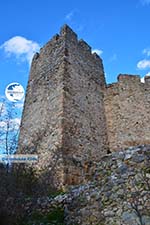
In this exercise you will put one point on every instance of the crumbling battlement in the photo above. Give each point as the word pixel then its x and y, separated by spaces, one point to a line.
pixel 130 78
pixel 59 41
pixel 127 111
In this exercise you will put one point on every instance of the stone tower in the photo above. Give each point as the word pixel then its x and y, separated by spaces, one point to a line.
pixel 63 119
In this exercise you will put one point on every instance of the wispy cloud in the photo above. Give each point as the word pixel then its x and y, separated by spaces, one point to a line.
pixel 143 64
pixel 20 47
pixel 97 51
pixel 113 57
pixel 69 16
pixel 146 51
pixel 74 19
pixel 145 2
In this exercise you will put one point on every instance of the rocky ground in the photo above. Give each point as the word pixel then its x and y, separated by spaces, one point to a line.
pixel 117 194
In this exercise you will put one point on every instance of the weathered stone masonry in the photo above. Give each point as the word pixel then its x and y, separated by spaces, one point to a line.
pixel 117 194
pixel 72 118
pixel 64 119
pixel 127 108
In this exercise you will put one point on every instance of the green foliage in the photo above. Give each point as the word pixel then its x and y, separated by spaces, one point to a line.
pixel 54 193
pixel 55 217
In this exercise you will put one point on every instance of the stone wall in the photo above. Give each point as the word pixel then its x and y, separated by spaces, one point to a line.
pixel 127 107
pixel 118 193
pixel 41 126
pixel 84 125
pixel 64 110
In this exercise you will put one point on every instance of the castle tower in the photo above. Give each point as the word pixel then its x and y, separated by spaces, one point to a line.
pixel 63 119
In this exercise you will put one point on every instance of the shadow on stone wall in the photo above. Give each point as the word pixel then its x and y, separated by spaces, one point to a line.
pixel 18 186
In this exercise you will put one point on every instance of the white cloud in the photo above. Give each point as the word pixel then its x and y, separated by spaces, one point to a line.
pixel 146 51
pixel 69 15
pixel 97 51
pixel 145 2
pixel 148 74
pixel 143 78
pixel 143 64
pixel 20 47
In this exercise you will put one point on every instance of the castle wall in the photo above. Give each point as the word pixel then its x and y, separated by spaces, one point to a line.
pixel 41 126
pixel 127 112
pixel 64 110
pixel 70 114
pixel 84 125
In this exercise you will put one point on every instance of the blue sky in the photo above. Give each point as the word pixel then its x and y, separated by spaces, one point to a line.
pixel 118 30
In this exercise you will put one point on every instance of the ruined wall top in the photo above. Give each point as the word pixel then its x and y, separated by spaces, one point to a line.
pixel 128 80
pixel 127 108
pixel 66 36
